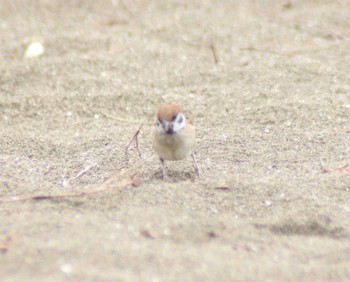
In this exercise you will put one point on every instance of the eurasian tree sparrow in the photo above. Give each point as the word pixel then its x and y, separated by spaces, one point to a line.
pixel 174 136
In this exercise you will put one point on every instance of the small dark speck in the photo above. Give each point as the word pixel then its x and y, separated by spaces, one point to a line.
pixel 147 234
pixel 211 234
pixel 222 188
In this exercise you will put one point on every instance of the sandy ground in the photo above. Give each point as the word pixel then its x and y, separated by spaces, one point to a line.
pixel 268 85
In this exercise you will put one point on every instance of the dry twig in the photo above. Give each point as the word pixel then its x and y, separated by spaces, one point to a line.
pixel 107 185
pixel 213 52
pixel 66 182
pixel 287 53
pixel 135 139
pixel 342 169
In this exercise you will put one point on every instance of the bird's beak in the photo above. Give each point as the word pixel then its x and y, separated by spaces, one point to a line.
pixel 168 127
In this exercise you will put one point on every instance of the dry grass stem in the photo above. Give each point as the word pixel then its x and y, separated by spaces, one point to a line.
pixel 213 52
pixel 134 180
pixel 135 140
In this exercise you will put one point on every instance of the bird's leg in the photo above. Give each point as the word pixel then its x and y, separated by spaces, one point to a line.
pixel 196 167
pixel 163 168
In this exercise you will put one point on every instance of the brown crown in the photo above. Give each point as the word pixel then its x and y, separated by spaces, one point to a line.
pixel 167 112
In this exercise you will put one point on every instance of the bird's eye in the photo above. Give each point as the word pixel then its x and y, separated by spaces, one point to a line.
pixel 174 117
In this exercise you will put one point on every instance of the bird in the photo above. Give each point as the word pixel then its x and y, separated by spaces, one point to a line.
pixel 173 136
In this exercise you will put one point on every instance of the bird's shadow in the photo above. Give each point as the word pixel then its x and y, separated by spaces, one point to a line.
pixel 174 176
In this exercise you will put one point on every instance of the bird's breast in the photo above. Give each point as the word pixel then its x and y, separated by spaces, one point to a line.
pixel 174 146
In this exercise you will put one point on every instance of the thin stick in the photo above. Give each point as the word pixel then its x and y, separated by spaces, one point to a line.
pixel 343 169
pixel 213 52
pixel 80 174
pixel 286 53
pixel 135 139
pixel 252 48
pixel 196 167
pixel 134 180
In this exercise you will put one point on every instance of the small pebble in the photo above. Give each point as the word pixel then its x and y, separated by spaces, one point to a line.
pixel 267 203
pixel 34 49
pixel 66 268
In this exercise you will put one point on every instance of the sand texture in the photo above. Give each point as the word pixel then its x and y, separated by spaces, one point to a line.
pixel 267 84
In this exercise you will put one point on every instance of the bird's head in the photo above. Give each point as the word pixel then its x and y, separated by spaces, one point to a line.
pixel 170 119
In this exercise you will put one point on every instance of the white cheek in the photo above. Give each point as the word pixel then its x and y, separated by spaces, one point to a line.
pixel 178 126
pixel 159 128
